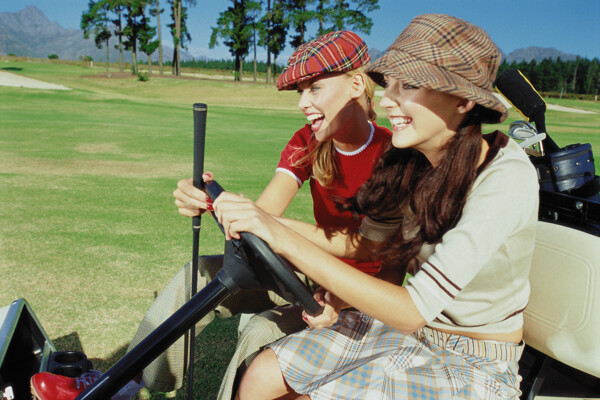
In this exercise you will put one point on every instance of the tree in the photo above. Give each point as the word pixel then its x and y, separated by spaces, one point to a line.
pixel 321 15
pixel 254 8
pixel 156 13
pixel 147 44
pixel 118 7
pixel 179 31
pixel 266 24
pixel 134 10
pixel 279 26
pixel 96 20
pixel 345 14
pixel 176 32
pixel 273 31
pixel 593 78
pixel 235 28
pixel 299 16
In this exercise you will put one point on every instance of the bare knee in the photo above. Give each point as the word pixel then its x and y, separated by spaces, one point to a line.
pixel 263 379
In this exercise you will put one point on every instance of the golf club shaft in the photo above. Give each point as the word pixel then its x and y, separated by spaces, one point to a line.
pixel 199 141
pixel 157 342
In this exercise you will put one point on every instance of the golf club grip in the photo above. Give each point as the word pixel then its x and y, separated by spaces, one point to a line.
pixel 520 92
pixel 199 140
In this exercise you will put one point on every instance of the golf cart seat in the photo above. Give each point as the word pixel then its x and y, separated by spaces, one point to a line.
pixel 562 320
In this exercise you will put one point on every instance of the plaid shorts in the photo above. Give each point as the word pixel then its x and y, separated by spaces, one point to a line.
pixel 361 358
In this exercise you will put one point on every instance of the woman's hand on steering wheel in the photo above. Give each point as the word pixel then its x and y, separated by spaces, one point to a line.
pixel 332 306
pixel 190 200
pixel 239 214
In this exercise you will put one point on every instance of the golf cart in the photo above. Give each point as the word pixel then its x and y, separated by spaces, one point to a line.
pixel 562 320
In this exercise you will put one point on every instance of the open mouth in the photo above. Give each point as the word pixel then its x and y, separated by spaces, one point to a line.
pixel 315 121
pixel 400 122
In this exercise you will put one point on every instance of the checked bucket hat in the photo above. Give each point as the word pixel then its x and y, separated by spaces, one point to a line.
pixel 447 54
pixel 338 51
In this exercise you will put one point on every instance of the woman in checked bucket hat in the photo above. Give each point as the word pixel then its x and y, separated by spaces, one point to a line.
pixel 463 205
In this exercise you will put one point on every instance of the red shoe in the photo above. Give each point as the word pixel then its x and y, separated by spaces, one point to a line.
pixel 47 386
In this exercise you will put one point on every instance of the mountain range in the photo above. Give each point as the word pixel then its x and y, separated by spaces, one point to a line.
pixel 30 33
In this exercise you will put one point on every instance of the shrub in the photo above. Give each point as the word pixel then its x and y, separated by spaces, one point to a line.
pixel 53 56
pixel 143 77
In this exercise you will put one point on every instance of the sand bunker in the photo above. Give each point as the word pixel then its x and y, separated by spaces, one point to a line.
pixel 14 80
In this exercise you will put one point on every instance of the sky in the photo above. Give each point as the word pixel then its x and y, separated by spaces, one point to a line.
pixel 571 26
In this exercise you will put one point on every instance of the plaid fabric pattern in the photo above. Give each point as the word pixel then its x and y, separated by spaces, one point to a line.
pixel 447 54
pixel 261 330
pixel 361 358
pixel 337 51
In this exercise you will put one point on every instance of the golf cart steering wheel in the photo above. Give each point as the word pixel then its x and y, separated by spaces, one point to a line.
pixel 251 264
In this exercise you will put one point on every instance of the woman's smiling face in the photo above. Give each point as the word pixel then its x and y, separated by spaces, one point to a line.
pixel 325 102
pixel 421 119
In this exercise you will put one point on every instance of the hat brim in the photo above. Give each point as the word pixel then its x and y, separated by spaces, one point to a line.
pixel 409 69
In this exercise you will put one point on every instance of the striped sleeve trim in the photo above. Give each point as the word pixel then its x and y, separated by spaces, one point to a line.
pixel 440 279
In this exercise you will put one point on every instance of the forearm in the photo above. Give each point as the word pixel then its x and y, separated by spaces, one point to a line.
pixel 382 300
pixel 278 194
pixel 340 243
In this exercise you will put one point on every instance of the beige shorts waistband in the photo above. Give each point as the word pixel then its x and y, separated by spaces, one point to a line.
pixel 495 350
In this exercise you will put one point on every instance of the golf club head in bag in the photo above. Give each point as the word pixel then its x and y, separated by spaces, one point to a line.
pixel 528 136
pixel 521 94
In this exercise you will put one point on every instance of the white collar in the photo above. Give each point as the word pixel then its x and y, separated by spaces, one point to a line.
pixel 361 148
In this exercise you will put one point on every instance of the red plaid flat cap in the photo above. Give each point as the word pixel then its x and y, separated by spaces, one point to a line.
pixel 447 54
pixel 338 51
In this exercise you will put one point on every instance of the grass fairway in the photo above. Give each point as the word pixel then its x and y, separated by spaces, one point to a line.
pixel 89 232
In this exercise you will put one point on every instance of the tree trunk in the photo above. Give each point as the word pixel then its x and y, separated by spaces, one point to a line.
pixel 237 72
pixel 120 54
pixel 177 14
pixel 160 54
pixel 120 43
pixel 268 66
pixel 134 66
pixel 149 64
pixel 107 58
pixel 254 55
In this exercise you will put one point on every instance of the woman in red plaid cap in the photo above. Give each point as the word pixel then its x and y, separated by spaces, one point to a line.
pixel 462 204
pixel 335 152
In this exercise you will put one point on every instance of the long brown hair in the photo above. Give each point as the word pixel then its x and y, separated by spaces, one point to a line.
pixel 322 154
pixel 435 195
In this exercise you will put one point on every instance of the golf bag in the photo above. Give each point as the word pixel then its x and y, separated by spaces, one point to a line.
pixel 569 187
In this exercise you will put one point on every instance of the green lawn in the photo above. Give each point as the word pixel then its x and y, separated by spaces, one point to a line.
pixel 89 231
